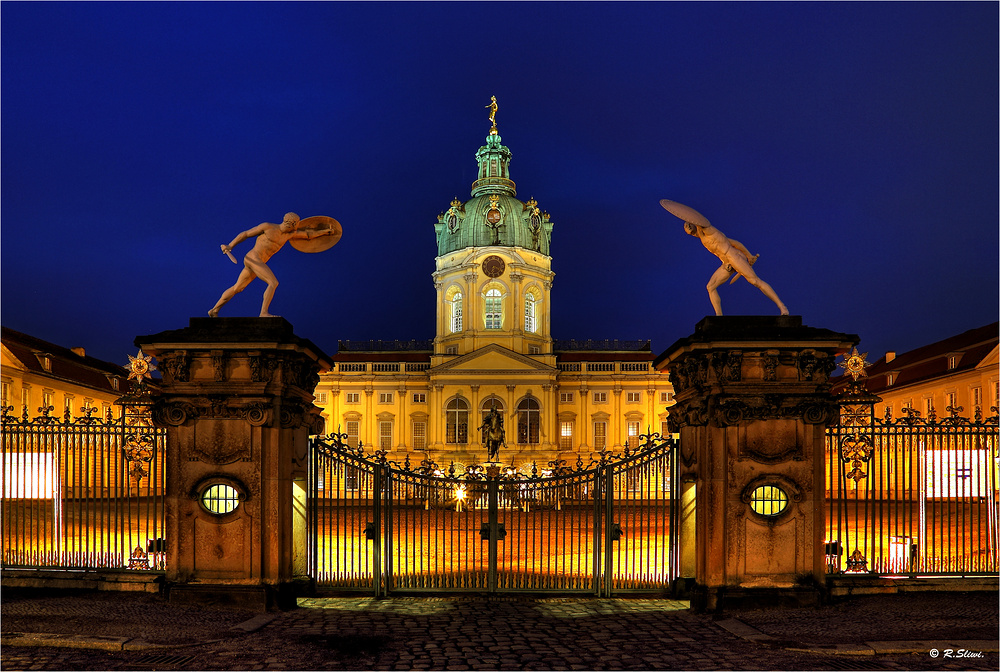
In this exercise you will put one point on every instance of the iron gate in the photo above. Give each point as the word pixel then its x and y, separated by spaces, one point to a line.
pixel 606 527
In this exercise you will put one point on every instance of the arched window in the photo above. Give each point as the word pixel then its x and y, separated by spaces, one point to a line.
pixel 530 325
pixel 494 309
pixel 456 313
pixel 457 421
pixel 527 421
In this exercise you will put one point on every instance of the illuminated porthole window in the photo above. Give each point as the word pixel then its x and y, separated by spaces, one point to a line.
pixel 768 500
pixel 220 499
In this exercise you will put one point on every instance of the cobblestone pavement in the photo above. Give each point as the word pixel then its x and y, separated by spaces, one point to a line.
pixel 479 633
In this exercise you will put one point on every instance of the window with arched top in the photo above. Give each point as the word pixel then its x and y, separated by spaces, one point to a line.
pixel 530 323
pixel 457 421
pixel 527 420
pixel 494 309
pixel 456 313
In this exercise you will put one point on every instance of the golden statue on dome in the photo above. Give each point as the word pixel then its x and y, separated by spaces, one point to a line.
pixel 492 107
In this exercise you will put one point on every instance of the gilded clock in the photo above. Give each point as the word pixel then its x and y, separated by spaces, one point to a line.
pixel 493 266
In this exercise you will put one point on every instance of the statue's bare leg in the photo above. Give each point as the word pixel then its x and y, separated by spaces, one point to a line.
pixel 718 279
pixel 748 273
pixel 265 274
pixel 246 277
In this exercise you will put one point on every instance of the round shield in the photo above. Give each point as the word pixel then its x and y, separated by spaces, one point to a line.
pixel 317 223
pixel 684 212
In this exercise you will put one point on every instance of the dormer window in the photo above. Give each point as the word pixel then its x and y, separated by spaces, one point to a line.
pixel 953 361
pixel 45 360
pixel 115 382
pixel 890 378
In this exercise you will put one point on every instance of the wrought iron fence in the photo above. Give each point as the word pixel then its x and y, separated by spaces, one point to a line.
pixel 911 495
pixel 606 527
pixel 83 492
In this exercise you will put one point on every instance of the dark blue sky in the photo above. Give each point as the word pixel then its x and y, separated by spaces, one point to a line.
pixel 853 145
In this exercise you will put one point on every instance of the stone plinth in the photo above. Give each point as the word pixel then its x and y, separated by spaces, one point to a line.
pixel 237 404
pixel 753 402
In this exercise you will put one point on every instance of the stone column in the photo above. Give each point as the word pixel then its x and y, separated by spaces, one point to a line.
pixel 237 404
pixel 753 402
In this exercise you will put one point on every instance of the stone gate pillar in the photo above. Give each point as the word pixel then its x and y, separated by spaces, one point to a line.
pixel 753 402
pixel 237 404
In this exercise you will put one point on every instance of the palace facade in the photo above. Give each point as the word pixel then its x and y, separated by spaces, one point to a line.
pixel 493 348
pixel 37 375
pixel 959 374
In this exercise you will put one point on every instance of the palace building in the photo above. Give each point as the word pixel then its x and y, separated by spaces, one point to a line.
pixel 493 348
pixel 39 377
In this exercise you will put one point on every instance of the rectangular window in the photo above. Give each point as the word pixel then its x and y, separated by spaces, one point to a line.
pixel 633 397
pixel 566 435
pixel 419 435
pixel 600 435
pixel 534 350
pixel 47 399
pixel 565 397
pixel 664 429
pixel 633 433
pixel 451 350
pixel 950 402
pixel 600 397
pixel 419 397
pixel 632 481
pixel 928 406
pixel 67 404
pixel 26 398
pixel 385 434
pixel 320 398
pixel 6 394
pixel 385 397
pixel 666 397
pixel 352 398
pixel 977 397
pixel 350 478
pixel 352 433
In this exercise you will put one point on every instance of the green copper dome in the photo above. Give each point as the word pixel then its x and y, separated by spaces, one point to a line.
pixel 493 216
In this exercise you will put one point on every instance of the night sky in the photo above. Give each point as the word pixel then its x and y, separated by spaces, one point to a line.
pixel 853 145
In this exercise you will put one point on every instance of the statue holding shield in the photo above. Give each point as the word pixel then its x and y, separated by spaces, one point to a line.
pixel 313 234
pixel 735 257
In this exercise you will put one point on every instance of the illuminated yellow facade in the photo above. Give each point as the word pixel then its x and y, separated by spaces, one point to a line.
pixel 961 372
pixel 36 374
pixel 493 348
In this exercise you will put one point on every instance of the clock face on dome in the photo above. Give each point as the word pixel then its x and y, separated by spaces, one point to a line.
pixel 493 266
pixel 493 216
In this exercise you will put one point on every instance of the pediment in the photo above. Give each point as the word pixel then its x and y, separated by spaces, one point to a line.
pixel 493 358
pixel 9 360
pixel 991 360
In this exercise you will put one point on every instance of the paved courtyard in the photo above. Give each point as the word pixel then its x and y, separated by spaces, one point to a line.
pixel 120 631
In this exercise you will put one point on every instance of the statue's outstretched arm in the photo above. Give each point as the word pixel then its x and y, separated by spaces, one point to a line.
pixel 250 233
